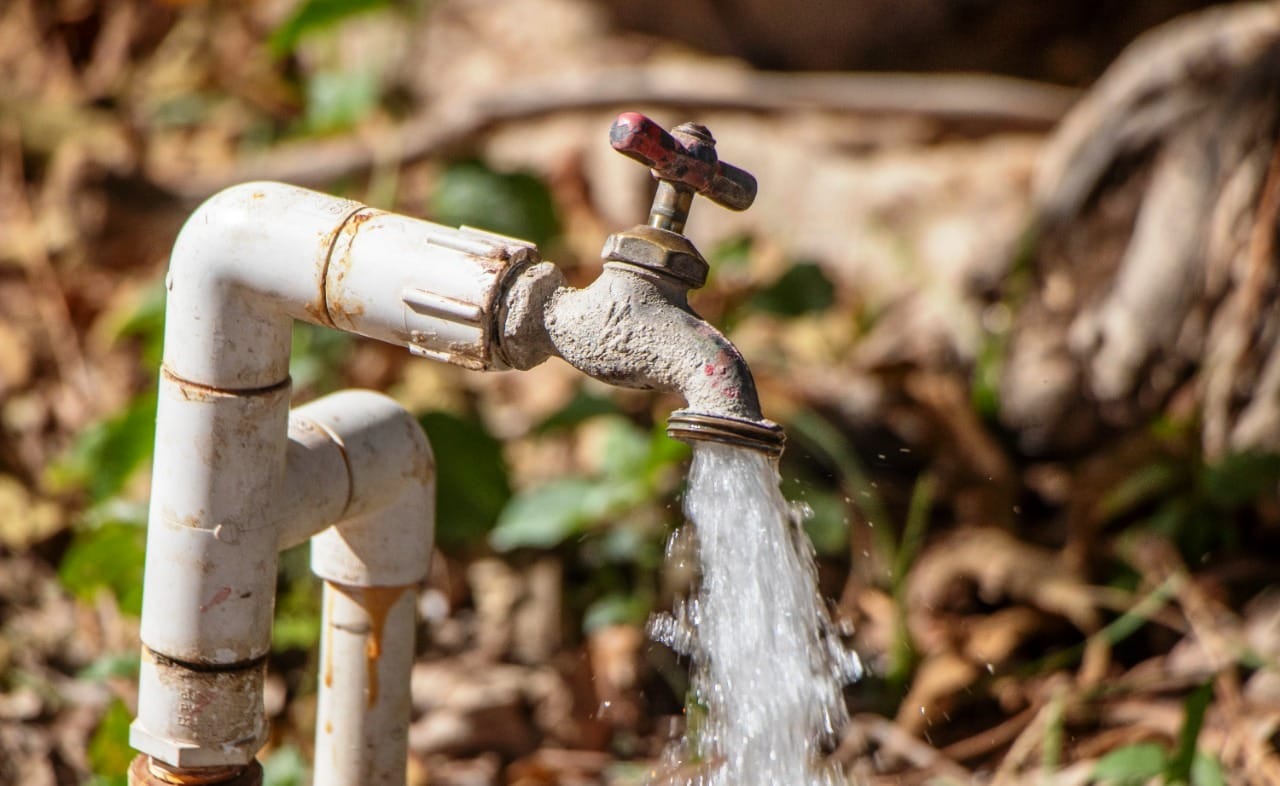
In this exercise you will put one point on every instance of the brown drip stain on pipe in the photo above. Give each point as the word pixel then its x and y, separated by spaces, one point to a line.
pixel 377 604
pixel 328 642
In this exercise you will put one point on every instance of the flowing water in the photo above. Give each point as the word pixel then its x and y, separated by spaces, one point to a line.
pixel 768 669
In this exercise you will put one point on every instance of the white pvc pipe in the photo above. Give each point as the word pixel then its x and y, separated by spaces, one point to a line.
pixel 366 657
pixel 247 263
pixel 372 561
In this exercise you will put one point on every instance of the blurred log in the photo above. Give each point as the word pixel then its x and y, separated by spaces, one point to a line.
pixel 1156 205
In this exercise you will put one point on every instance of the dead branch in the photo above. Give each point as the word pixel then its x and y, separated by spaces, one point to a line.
pixel 970 98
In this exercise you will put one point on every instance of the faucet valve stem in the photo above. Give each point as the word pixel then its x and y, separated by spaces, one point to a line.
pixel 684 162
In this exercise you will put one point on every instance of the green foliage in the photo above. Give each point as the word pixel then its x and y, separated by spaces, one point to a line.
pixel 285 767
pixel 339 99
pixel 111 664
pixel 733 254
pixel 107 557
pixel 902 655
pixel 615 609
pixel 316 356
pixel 826 515
pixel 109 753
pixel 546 516
pixel 517 204
pixel 471 478
pixel 1206 770
pixel 984 382
pixel 803 289
pixel 1239 479
pixel 146 324
pixel 1193 504
pixel 314 16
pixel 297 615
pixel 1136 765
pixel 105 455
pixel 824 439
pixel 632 472
pixel 1180 764
pixel 582 407
pixel 1132 765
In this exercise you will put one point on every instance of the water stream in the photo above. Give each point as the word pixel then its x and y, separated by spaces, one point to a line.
pixel 768 669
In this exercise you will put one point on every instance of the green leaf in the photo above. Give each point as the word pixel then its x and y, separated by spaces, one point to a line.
pixel 733 253
pixel 517 204
pixel 106 454
pixel 338 100
pixel 1206 770
pixel 803 289
pixel 297 614
pixel 313 16
pixel 582 407
pixel 984 382
pixel 1148 482
pixel 112 664
pixel 107 557
pixel 627 451
pixel 1132 765
pixel 1180 764
pixel 616 609
pixel 1240 478
pixel 146 323
pixel 108 752
pixel 548 515
pixel 471 477
pixel 664 452
pixel 285 767
pixel 315 356
pixel 826 519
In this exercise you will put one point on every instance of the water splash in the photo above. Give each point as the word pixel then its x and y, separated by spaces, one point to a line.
pixel 768 666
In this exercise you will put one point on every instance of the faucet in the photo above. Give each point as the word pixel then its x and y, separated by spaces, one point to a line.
pixel 238 476
pixel 633 326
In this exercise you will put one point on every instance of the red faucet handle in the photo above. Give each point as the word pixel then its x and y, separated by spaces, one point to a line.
pixel 690 160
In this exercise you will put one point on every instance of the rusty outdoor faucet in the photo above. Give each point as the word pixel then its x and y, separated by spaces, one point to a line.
pixel 633 326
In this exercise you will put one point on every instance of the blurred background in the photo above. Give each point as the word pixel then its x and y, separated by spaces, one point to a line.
pixel 1009 285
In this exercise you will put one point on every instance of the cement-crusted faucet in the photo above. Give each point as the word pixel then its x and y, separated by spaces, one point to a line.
pixel 238 476
pixel 633 326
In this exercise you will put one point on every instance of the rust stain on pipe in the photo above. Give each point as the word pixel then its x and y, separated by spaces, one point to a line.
pixel 377 604
pixel 343 234
pixel 328 643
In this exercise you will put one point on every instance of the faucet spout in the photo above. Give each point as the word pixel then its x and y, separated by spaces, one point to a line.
pixel 633 327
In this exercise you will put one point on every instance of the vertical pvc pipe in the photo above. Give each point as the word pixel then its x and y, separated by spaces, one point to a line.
pixel 371 561
pixel 366 656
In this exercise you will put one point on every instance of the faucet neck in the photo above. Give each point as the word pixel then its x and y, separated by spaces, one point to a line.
pixel 671 203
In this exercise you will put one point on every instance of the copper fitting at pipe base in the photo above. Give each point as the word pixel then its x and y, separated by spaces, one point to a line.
pixel 764 436
pixel 146 771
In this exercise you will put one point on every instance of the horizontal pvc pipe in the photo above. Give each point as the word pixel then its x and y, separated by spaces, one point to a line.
pixel 258 255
